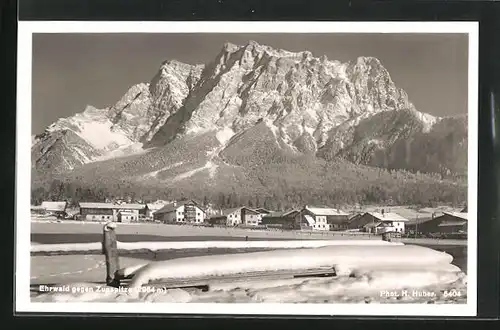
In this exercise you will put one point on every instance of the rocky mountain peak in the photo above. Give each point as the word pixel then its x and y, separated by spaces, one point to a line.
pixel 296 102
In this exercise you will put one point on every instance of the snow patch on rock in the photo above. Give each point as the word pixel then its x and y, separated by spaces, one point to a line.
pixel 224 135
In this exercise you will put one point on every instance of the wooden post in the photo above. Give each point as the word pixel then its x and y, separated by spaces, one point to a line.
pixel 110 250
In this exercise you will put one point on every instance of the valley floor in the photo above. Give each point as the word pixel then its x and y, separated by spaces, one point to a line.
pixel 155 229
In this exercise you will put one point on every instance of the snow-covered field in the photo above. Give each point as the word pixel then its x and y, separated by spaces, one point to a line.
pixel 71 227
pixel 365 274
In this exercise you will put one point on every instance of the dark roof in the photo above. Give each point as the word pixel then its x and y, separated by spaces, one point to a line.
pixel 355 216
pixel 274 215
pixel 287 213
pixel 418 221
pixel 227 212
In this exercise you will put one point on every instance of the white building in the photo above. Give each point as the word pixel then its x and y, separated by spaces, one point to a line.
pixel 127 216
pixel 57 208
pixel 380 222
pixel 110 212
pixel 181 212
pixel 321 218
pixel 237 216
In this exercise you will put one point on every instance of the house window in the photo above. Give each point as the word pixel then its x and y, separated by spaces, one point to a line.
pixel 230 215
pixel 102 217
pixel 199 214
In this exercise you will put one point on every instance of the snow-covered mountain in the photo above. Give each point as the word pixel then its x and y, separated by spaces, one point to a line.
pixel 251 105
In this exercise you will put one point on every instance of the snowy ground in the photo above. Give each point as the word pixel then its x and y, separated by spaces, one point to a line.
pixel 366 274
pixel 71 227
pixel 371 271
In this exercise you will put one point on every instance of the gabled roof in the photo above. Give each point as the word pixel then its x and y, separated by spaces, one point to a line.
pixel 372 224
pixel 54 206
pixel 262 210
pixel 169 208
pixel 86 205
pixel 273 215
pixel 154 206
pixel 310 220
pixel 378 224
pixel 287 213
pixel 387 216
pixel 279 214
pixel 227 212
pixel 131 206
pixel 460 215
pixel 354 216
pixel 418 221
pixel 325 211
pixel 174 206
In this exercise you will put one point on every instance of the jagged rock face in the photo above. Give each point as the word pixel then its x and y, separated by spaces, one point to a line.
pixel 61 151
pixel 295 91
pixel 144 109
pixel 262 104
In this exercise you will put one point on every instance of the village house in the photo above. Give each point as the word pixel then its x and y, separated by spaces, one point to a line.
pixel 181 212
pixel 449 222
pixel 151 208
pixel 110 212
pixel 379 222
pixel 321 218
pixel 415 225
pixel 237 216
pixel 56 208
pixel 283 220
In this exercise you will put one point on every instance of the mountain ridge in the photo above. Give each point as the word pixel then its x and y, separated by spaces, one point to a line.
pixel 301 104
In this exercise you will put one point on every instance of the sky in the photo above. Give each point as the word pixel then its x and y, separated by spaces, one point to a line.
pixel 71 71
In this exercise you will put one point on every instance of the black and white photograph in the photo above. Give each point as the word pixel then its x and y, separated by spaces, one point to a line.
pixel 273 168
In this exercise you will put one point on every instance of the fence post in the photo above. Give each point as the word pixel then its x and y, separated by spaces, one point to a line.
pixel 110 250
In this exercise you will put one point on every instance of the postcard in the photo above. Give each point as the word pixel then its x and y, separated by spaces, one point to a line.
pixel 252 168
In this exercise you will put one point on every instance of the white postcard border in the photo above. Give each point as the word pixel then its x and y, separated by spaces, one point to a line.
pixel 23 166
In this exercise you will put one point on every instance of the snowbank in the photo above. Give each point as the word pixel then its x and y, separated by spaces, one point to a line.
pixel 369 273
pixel 345 259
pixel 157 246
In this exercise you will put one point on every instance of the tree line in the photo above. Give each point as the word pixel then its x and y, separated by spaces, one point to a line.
pixel 278 197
